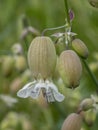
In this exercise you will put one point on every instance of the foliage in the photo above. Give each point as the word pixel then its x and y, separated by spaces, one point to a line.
pixel 28 114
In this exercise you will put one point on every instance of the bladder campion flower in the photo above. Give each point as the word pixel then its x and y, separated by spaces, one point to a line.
pixel 70 68
pixel 42 62
pixel 72 122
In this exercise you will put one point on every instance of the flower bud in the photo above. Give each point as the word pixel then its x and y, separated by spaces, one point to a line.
pixel 7 65
pixel 42 57
pixel 70 68
pixel 86 104
pixel 80 48
pixel 72 122
pixel 90 117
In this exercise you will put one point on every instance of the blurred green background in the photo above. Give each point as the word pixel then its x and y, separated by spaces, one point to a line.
pixel 28 114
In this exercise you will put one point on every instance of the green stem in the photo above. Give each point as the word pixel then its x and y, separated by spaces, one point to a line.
pixel 26 45
pixel 25 21
pixel 67 20
pixel 90 73
pixel 50 29
pixel 67 11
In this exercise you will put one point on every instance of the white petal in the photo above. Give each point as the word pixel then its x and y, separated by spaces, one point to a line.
pixel 57 35
pixel 34 93
pixel 52 86
pixel 24 92
pixel 71 33
pixel 40 85
pixel 58 96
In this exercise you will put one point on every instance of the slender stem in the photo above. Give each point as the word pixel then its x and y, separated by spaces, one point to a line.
pixel 25 25
pixel 25 21
pixel 67 20
pixel 90 73
pixel 67 11
pixel 50 29
pixel 26 45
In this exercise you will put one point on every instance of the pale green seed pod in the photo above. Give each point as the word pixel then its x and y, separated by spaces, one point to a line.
pixel 70 68
pixel 86 104
pixel 80 48
pixel 90 117
pixel 42 57
pixel 20 63
pixel 72 122
pixel 7 65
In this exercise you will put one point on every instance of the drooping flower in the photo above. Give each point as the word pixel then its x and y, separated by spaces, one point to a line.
pixel 72 122
pixel 42 62
pixel 70 68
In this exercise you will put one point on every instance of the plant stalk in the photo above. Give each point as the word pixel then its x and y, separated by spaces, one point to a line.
pixel 90 73
pixel 67 11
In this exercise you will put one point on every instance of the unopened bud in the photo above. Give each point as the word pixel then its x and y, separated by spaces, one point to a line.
pixel 72 122
pixel 70 68
pixel 86 104
pixel 90 117
pixel 80 48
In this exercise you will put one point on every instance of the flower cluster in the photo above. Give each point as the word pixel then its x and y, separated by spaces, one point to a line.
pixel 42 60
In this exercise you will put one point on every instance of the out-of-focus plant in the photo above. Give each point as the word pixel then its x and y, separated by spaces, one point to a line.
pixel 58 61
